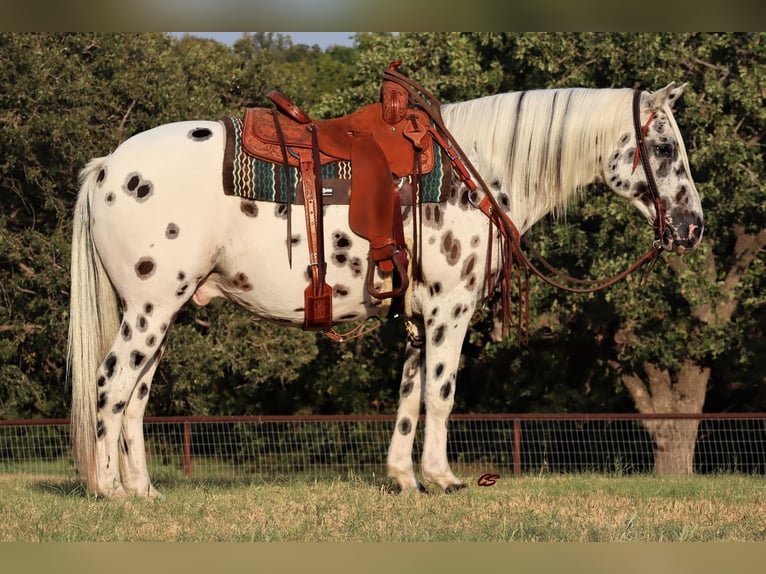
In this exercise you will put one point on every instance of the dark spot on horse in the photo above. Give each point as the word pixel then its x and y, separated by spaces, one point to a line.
pixel 136 359
pixel 137 187
pixel 681 196
pixel 438 336
pixel 435 288
pixel 200 134
pixel 181 276
pixel 470 282
pixel 406 389
pixel 280 211
pixel 348 316
pixel 624 139
pixel 439 370
pixel 468 266
pixel 356 266
pixel 339 259
pixel 101 176
pixel 445 390
pixel 100 429
pixel 151 340
pixel 340 291
pixel 109 365
pixel 125 448
pixel 148 308
pixel 143 390
pixel 504 201
pixel 341 240
pixel 109 198
pixel 126 332
pixel 241 282
pixel 101 381
pixel 141 323
pixel 458 310
pixel 182 290
pixel 295 239
pixel 249 208
pixel 145 267
pixel 118 407
pixel 102 400
pixel 163 327
pixel 171 231
pixel 405 426
pixel 495 184
pixel 475 241
pixel 450 246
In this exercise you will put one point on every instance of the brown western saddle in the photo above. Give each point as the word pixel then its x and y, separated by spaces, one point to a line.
pixel 383 141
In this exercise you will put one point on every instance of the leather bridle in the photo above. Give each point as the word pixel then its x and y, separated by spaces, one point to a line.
pixel 643 155
pixel 514 260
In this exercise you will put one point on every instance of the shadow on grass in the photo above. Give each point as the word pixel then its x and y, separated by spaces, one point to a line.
pixel 73 487
pixel 63 487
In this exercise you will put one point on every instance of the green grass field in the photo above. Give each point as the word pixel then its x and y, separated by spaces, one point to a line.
pixel 563 508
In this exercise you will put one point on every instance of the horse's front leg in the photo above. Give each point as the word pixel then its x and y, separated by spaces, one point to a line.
pixel 410 395
pixel 446 326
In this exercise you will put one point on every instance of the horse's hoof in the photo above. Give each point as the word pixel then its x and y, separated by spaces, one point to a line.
pixel 455 487
pixel 421 489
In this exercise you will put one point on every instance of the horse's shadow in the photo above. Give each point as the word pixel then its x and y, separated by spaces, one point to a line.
pixel 75 488
pixel 65 488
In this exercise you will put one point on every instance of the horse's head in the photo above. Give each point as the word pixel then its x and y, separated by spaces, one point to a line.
pixel 667 189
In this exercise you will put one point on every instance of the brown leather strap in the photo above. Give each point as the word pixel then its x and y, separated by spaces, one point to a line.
pixel 288 191
pixel 286 106
pixel 318 295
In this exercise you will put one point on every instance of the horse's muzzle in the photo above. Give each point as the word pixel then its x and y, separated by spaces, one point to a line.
pixel 683 231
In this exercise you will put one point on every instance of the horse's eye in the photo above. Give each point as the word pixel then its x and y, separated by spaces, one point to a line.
pixel 663 150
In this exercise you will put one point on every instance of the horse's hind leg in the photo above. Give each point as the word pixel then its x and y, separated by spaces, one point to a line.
pixel 133 470
pixel 123 384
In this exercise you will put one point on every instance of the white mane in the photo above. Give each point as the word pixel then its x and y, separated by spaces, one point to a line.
pixel 541 147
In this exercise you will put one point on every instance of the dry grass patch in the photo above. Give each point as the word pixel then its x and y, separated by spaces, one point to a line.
pixel 573 508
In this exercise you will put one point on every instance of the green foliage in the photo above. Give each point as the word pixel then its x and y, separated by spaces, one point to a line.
pixel 70 97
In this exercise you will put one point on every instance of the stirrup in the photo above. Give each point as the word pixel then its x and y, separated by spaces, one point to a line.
pixel 399 268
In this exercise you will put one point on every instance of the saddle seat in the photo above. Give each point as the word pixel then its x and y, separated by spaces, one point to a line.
pixel 383 141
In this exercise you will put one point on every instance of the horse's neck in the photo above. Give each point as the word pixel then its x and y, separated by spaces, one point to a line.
pixel 537 150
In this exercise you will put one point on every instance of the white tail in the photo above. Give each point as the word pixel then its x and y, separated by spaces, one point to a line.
pixel 93 324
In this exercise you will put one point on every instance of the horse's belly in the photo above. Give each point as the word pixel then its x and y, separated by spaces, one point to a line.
pixel 255 270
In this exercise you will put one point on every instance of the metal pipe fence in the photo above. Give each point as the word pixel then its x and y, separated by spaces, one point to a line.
pixel 276 447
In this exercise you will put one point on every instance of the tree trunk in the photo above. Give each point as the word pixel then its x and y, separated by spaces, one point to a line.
pixel 674 439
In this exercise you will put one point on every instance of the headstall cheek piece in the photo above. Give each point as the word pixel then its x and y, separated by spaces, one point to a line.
pixel 643 155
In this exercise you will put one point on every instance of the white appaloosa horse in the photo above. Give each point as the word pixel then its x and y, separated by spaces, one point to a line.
pixel 153 229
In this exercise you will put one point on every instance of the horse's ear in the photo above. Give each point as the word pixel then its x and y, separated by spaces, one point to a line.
pixel 667 95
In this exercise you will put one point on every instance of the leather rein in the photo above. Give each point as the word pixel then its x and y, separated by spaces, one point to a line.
pixel 514 259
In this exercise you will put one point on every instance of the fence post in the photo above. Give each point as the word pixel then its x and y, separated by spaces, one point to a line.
pixel 517 446
pixel 187 449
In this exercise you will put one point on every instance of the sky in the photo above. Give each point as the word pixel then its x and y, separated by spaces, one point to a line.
pixel 322 39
